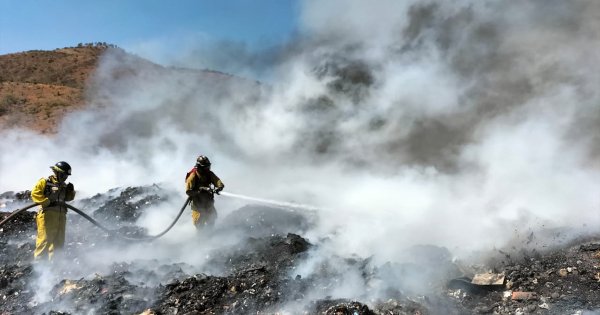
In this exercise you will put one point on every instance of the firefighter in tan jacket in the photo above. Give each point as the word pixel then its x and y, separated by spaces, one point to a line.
pixel 51 193
pixel 201 184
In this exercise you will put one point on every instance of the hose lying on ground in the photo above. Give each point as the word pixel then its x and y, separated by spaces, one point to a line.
pixel 113 232
pixel 14 213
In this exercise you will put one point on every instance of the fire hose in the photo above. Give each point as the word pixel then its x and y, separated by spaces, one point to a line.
pixel 187 201
pixel 94 222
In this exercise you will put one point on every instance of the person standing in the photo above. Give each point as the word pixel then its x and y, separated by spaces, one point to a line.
pixel 51 193
pixel 201 184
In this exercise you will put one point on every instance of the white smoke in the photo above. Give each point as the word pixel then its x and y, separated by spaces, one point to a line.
pixel 458 124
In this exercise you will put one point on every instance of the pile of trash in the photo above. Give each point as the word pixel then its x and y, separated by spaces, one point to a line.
pixel 124 205
pixel 266 271
pixel 561 281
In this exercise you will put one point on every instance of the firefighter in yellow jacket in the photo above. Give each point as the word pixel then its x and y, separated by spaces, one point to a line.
pixel 51 193
pixel 201 184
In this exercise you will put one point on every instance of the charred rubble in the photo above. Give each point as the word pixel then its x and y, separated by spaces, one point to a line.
pixel 262 273
pixel 126 205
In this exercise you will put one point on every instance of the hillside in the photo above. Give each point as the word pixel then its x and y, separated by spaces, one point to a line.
pixel 37 88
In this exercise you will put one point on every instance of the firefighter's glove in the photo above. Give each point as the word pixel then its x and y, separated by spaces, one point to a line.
pixel 192 193
pixel 217 191
pixel 70 187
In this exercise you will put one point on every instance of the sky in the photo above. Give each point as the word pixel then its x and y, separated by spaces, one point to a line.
pixel 141 26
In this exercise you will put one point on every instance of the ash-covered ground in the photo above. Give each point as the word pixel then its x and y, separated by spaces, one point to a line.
pixel 257 260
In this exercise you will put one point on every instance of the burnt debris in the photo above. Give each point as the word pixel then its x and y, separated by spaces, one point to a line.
pixel 127 205
pixel 272 269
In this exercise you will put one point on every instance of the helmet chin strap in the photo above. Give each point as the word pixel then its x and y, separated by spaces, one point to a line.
pixel 61 176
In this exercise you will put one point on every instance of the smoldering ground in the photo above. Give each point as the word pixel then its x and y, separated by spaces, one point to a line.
pixel 465 125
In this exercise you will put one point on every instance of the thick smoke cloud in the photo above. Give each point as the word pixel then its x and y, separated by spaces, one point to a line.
pixel 464 124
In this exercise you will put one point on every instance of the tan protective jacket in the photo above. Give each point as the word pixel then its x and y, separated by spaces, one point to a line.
pixel 197 179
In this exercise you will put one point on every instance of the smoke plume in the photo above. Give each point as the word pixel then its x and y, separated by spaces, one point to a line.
pixel 463 124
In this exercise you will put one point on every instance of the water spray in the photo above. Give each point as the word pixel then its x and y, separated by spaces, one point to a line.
pixel 280 204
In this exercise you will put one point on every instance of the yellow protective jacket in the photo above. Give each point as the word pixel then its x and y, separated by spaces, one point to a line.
pixel 50 219
pixel 49 189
